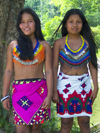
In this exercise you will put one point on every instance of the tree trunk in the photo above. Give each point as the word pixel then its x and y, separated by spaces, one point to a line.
pixel 8 15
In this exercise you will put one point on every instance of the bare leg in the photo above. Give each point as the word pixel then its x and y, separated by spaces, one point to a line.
pixel 66 125
pixel 23 128
pixel 84 123
pixel 36 128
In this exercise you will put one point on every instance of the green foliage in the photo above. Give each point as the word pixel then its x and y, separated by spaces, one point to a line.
pixel 3 42
pixel 51 13
pixel 53 124
pixel 96 109
pixel 50 27
pixel 96 33
pixel 98 54
pixel 75 128
pixel 44 8
pixel 4 121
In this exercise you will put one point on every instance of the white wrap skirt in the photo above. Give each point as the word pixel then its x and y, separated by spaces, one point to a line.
pixel 74 95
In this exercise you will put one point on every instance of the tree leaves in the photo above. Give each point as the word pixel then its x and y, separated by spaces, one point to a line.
pixel 53 11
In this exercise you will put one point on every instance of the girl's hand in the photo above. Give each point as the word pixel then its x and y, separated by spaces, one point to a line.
pixel 6 104
pixel 47 103
pixel 55 97
pixel 93 95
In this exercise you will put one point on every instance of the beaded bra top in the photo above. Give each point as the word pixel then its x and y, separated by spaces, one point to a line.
pixel 39 56
pixel 75 58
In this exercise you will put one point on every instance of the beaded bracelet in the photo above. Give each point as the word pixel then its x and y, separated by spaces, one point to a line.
pixel 5 97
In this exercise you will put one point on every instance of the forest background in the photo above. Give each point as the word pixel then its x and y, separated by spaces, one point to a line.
pixel 50 12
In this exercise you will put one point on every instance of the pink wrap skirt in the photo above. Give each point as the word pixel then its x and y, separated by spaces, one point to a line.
pixel 27 98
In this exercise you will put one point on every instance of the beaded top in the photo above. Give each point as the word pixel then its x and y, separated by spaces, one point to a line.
pixel 39 55
pixel 74 58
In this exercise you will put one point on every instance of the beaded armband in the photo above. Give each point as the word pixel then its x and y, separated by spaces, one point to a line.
pixel 4 98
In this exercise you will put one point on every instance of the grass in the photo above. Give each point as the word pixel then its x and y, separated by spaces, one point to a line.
pixel 96 106
pixel 96 110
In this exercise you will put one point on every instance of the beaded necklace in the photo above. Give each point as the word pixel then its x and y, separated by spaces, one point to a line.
pixel 39 56
pixel 75 58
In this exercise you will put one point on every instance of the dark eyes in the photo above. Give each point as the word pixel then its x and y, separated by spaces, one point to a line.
pixel 73 21
pixel 28 21
pixel 79 21
pixel 22 22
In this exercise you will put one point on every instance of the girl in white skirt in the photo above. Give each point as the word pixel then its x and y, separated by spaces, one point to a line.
pixel 72 88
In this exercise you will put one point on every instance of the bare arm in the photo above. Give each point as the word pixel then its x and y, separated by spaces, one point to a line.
pixel 48 74
pixel 55 70
pixel 7 76
pixel 94 76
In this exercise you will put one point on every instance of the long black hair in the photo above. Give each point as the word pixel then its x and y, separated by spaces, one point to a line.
pixel 85 32
pixel 24 42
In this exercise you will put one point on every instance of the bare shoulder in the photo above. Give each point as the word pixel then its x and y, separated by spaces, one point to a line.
pixel 86 42
pixel 45 44
pixel 48 50
pixel 12 44
pixel 59 43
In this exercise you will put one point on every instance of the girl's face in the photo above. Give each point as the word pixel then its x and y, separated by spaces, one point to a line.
pixel 27 24
pixel 74 24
